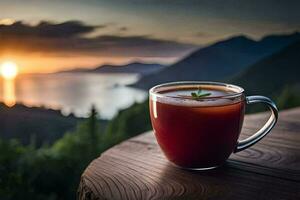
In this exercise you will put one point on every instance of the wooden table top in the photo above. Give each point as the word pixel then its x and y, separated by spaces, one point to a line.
pixel 137 169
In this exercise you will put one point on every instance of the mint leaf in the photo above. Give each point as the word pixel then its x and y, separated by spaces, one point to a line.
pixel 204 94
pixel 194 94
pixel 199 94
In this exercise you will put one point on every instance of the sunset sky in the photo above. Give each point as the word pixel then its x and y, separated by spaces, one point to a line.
pixel 46 36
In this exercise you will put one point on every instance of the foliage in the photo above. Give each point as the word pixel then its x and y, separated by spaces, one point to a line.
pixel 53 172
pixel 128 123
pixel 45 125
pixel 288 98
pixel 49 172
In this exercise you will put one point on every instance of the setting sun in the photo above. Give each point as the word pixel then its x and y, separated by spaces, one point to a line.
pixel 9 70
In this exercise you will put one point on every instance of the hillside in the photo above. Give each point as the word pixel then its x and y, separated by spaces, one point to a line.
pixel 135 67
pixel 41 124
pixel 219 61
pixel 273 74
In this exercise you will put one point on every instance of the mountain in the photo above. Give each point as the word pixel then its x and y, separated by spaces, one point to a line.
pixel 273 74
pixel 135 67
pixel 44 125
pixel 38 123
pixel 219 61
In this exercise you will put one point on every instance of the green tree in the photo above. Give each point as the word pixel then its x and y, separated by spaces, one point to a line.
pixel 128 123
pixel 49 172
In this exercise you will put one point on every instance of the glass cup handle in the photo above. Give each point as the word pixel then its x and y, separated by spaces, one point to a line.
pixel 244 144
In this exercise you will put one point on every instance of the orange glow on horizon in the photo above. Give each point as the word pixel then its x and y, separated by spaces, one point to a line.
pixel 45 63
pixel 6 21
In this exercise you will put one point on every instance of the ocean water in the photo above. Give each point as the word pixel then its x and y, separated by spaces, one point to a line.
pixel 73 92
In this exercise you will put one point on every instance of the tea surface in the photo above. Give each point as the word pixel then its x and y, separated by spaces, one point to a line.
pixel 188 92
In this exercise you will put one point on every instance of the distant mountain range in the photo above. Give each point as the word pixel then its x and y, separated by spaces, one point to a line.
pixel 220 61
pixel 273 74
pixel 135 67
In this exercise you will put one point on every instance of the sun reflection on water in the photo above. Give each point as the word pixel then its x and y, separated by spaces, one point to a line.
pixel 9 95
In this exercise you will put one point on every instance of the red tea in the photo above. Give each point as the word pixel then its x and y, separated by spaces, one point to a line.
pixel 197 133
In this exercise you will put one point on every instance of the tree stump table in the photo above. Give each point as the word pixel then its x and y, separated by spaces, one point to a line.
pixel 137 169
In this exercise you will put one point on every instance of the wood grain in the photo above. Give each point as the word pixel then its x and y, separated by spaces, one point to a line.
pixel 136 169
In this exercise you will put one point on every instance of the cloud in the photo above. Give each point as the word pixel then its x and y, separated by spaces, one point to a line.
pixel 123 29
pixel 202 34
pixel 67 38
pixel 47 29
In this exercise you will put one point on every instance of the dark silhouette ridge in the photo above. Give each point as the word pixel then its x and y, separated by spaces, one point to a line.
pixel 219 61
pixel 272 74
pixel 134 67
pixel 35 123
